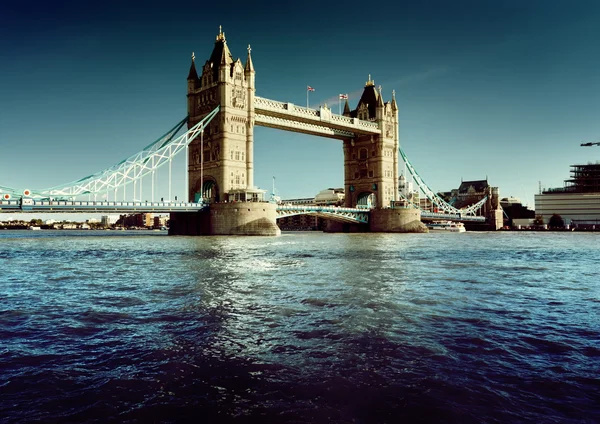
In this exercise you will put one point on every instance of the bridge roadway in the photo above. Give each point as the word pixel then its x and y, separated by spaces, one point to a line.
pixel 431 216
pixel 353 215
pixel 78 206
pixel 322 122
pixel 350 215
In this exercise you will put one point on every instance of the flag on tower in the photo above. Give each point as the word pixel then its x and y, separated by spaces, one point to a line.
pixel 309 88
pixel 343 97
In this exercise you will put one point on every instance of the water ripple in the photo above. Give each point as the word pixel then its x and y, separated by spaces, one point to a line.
pixel 306 327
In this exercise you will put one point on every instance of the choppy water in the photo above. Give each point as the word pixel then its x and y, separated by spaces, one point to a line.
pixel 303 328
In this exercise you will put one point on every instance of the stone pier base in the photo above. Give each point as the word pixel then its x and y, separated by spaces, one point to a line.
pixel 396 221
pixel 496 219
pixel 383 221
pixel 342 227
pixel 239 218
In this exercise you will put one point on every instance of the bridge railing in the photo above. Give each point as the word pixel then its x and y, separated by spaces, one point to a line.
pixel 292 109
pixel 25 205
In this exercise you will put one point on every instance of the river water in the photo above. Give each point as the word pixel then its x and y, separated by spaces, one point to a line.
pixel 302 328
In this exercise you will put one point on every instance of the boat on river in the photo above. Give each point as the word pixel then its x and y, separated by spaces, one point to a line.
pixel 447 226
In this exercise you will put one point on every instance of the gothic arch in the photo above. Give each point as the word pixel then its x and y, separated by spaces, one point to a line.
pixel 366 199
pixel 210 189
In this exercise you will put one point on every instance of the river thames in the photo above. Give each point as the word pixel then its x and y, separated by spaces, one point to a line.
pixel 139 327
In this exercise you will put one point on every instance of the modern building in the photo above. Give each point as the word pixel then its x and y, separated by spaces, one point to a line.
pixel 578 202
pixel 516 214
pixel 109 220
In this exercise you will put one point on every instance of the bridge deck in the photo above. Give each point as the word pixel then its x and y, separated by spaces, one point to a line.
pixel 430 216
pixel 68 206
pixel 322 121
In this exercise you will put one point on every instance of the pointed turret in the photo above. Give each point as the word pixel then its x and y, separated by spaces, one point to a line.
pixel 249 65
pixel 220 56
pixel 368 102
pixel 379 98
pixel 193 75
pixel 380 109
pixel 346 108
pixel 192 80
pixel 394 104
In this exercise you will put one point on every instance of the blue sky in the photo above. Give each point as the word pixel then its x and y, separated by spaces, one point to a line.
pixel 504 90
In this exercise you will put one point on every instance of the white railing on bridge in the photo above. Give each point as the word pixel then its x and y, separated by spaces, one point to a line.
pixel 451 217
pixel 307 127
pixel 289 109
pixel 31 205
pixel 350 215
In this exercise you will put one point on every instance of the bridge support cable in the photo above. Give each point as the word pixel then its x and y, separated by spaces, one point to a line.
pixel 436 200
pixel 135 167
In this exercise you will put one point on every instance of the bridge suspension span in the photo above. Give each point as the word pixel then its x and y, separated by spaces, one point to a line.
pixel 440 204
pixel 127 171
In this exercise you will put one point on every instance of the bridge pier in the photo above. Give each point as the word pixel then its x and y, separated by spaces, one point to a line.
pixel 403 220
pixel 235 218
pixel 383 221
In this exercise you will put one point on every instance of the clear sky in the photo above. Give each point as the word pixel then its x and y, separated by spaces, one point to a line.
pixel 500 89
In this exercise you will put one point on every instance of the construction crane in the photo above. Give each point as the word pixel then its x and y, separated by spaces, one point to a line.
pixel 591 143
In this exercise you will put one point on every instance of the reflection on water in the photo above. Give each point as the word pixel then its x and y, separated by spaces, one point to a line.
pixel 306 327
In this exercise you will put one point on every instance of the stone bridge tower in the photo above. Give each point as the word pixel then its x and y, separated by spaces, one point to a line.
pixel 371 161
pixel 221 162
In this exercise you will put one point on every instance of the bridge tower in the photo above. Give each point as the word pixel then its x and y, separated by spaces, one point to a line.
pixel 371 161
pixel 221 162
pixel 220 165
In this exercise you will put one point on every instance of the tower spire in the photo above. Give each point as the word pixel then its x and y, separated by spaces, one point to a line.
pixel 193 75
pixel 221 35
pixel 249 65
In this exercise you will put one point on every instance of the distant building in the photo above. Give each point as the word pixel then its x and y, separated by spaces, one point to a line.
pixel 471 192
pixel 108 220
pixel 326 197
pixel 516 214
pixel 330 196
pixel 160 221
pixel 578 202
pixel 138 220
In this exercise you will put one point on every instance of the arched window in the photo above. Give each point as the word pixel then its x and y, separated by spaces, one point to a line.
pixel 363 154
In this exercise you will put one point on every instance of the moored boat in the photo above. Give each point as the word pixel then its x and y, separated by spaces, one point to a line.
pixel 448 226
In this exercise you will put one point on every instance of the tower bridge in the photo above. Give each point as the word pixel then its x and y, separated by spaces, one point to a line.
pixel 221 197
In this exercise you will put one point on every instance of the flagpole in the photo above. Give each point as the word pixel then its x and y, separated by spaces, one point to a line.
pixel 307 90
pixel 339 105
